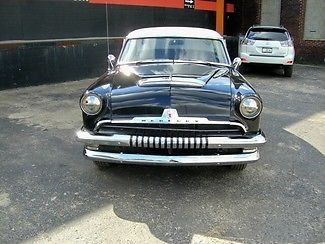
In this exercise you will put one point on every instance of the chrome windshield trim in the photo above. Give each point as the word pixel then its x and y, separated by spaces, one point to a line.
pixel 179 61
pixel 158 120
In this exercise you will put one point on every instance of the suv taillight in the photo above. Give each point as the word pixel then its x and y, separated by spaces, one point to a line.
pixel 248 41
pixel 288 43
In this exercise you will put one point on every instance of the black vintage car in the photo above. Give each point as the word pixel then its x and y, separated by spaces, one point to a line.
pixel 173 97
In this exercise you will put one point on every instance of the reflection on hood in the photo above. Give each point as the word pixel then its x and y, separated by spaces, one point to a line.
pixel 170 72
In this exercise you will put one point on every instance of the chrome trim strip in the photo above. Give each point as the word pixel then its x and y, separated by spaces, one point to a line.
pixel 140 140
pixel 152 120
pixel 171 142
pixel 180 142
pixel 157 141
pixel 186 143
pixel 150 61
pixel 163 142
pixel 102 122
pixel 171 160
pixel 204 142
pixel 145 141
pixel 198 142
pixel 174 140
pixel 168 144
pixel 134 141
pixel 225 142
pixel 151 142
pixel 114 140
pixel 192 141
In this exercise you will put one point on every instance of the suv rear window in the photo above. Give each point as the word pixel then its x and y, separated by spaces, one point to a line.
pixel 268 35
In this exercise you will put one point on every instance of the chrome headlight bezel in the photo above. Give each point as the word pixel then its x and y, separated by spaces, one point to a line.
pixel 250 102
pixel 91 99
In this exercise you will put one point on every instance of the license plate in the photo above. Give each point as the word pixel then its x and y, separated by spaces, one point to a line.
pixel 266 50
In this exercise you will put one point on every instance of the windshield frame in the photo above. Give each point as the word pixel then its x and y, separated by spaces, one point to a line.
pixel 222 41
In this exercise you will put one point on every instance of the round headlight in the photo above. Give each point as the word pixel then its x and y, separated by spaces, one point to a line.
pixel 250 107
pixel 91 104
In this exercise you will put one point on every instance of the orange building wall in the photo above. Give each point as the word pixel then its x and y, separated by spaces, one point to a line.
pixel 207 5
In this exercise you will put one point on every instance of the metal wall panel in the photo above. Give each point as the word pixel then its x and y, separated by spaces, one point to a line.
pixel 33 20
pixel 57 52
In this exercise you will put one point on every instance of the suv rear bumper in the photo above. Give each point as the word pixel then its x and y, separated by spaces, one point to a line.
pixel 287 60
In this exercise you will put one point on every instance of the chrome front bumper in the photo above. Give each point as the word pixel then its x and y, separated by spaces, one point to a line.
pixel 250 153
pixel 171 160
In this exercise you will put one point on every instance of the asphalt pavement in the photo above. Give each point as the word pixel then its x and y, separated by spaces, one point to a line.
pixel 50 193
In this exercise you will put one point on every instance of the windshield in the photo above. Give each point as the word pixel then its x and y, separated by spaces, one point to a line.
pixel 268 35
pixel 185 49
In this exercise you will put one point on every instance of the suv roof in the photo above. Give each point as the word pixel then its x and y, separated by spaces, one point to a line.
pixel 268 27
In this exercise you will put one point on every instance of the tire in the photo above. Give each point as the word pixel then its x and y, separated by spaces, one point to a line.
pixel 288 70
pixel 102 165
pixel 243 69
pixel 238 167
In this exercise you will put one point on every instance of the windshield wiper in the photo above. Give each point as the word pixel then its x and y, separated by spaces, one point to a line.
pixel 149 61
pixel 262 39
pixel 153 61
pixel 218 72
pixel 207 63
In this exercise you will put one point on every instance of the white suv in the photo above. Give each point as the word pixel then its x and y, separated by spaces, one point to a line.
pixel 268 45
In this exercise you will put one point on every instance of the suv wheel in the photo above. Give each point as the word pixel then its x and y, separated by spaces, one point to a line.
pixel 288 71
pixel 238 167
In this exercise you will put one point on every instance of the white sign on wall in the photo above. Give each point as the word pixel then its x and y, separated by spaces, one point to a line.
pixel 189 4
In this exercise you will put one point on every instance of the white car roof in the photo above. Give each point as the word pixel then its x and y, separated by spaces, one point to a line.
pixel 189 32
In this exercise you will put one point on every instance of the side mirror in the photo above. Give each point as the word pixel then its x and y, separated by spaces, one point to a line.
pixel 111 61
pixel 236 63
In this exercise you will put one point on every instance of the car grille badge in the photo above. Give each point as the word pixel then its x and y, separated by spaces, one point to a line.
pixel 170 115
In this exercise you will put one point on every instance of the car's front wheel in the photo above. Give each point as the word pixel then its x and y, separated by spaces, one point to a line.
pixel 243 69
pixel 102 165
pixel 238 166
pixel 288 71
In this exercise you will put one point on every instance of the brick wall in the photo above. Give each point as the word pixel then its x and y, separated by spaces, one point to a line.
pixel 250 14
pixel 293 18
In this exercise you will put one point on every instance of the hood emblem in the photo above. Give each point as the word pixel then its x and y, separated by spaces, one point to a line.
pixel 170 116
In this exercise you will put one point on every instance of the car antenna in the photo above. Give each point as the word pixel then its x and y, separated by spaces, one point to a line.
pixel 107 41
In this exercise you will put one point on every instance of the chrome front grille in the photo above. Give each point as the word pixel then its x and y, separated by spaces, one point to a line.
pixel 169 142
pixel 171 137
pixel 172 131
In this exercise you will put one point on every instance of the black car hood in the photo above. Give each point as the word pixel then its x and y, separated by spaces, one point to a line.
pixel 146 90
